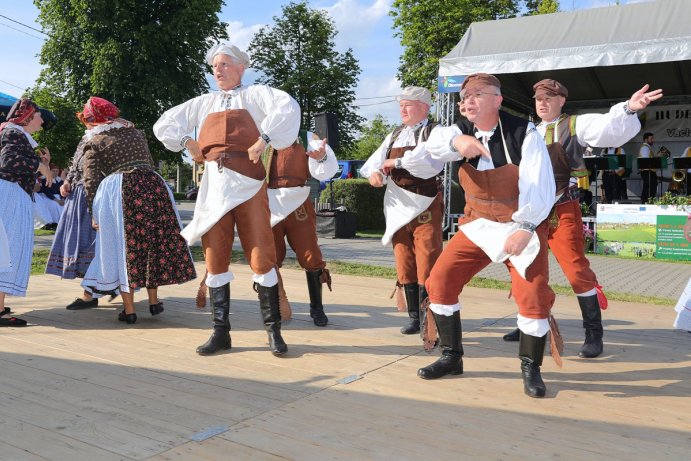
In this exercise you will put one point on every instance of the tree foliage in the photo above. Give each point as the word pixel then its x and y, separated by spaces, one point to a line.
pixel 297 55
pixel 62 139
pixel 144 56
pixel 372 134
pixel 542 6
pixel 430 29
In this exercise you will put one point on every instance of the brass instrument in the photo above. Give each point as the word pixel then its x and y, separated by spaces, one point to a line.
pixel 679 175
pixel 676 185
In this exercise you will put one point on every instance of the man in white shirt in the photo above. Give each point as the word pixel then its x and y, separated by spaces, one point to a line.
pixel 648 175
pixel 293 216
pixel 236 125
pixel 413 205
pixel 566 138
pixel 509 184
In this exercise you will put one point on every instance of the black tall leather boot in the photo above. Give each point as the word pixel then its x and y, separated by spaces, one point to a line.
pixel 592 322
pixel 268 304
pixel 314 287
pixel 412 299
pixel 451 360
pixel 220 339
pixel 531 350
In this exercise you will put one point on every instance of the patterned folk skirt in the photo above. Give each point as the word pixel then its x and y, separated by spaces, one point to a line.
pixel 138 243
pixel 74 243
pixel 16 218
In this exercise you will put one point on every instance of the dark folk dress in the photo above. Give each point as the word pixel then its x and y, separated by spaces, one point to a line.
pixel 74 242
pixel 136 214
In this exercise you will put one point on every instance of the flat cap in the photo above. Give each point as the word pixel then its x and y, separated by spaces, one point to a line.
pixel 479 80
pixel 551 87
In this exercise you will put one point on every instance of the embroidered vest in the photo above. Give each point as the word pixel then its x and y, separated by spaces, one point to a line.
pixel 429 187
pixel 567 153
pixel 493 194
pixel 515 130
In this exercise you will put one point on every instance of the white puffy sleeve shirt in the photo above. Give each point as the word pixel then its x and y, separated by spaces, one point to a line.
pixel 416 160
pixel 275 113
pixel 612 129
pixel 325 169
pixel 535 175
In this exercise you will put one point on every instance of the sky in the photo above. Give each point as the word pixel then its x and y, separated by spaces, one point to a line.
pixel 363 25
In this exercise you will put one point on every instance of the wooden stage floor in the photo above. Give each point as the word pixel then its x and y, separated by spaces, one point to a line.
pixel 79 385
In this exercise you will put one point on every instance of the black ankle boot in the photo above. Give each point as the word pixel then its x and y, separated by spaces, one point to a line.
pixel 220 338
pixel 451 360
pixel 314 287
pixel 127 318
pixel 412 299
pixel 531 350
pixel 268 304
pixel 592 322
pixel 512 336
pixel 156 309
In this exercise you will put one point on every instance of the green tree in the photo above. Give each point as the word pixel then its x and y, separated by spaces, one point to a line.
pixel 169 172
pixel 429 29
pixel 144 56
pixel 372 135
pixel 297 55
pixel 542 6
pixel 62 139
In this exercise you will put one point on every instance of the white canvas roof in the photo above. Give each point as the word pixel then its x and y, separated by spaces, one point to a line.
pixel 599 54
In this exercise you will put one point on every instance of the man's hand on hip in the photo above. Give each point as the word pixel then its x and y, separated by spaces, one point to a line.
pixel 195 151
pixel 255 151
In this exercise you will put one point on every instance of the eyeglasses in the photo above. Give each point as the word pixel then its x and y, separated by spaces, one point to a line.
pixel 467 97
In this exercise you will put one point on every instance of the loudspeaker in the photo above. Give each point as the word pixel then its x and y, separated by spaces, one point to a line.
pixel 326 126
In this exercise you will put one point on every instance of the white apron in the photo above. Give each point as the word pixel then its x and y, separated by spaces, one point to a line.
pixel 401 207
pixel 219 192
pixel 285 200
pixel 490 236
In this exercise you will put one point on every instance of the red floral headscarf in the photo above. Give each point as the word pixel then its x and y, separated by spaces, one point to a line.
pixel 22 111
pixel 98 110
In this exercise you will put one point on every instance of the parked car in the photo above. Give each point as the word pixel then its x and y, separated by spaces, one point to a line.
pixel 347 169
pixel 192 193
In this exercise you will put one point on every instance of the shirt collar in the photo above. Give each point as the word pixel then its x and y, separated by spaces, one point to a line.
pixel 482 133
pixel 417 125
pixel 232 90
pixel 547 123
pixel 29 138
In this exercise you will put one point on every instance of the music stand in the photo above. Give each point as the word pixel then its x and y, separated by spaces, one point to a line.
pixel 620 161
pixel 653 163
pixel 683 163
pixel 596 163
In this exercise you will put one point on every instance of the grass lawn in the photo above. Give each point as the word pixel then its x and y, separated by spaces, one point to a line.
pixel 635 234
pixel 38 266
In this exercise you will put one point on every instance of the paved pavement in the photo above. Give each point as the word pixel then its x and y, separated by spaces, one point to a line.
pixel 644 277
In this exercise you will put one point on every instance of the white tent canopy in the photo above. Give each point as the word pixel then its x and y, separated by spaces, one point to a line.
pixel 599 54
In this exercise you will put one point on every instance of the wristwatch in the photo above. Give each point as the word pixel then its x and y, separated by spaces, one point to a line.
pixel 398 163
pixel 266 138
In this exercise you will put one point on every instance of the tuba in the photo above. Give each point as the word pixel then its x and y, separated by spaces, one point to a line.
pixel 679 175
pixel 676 186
